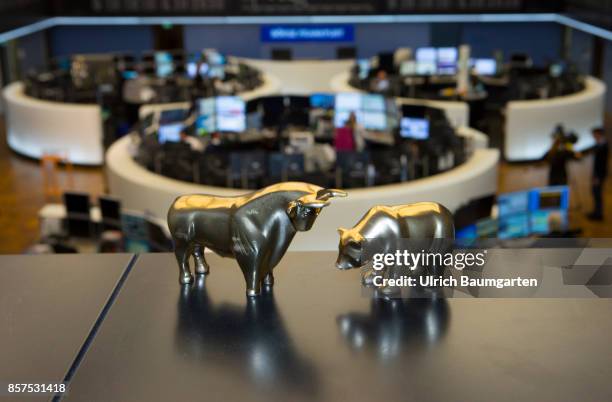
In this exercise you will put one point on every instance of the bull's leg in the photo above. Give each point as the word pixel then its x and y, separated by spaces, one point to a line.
pixel 181 251
pixel 253 281
pixel 251 270
pixel 201 267
pixel 268 280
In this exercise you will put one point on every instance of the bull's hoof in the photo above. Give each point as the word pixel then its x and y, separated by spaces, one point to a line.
pixel 185 279
pixel 252 293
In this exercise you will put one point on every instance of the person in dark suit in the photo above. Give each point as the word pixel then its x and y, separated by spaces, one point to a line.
pixel 600 172
pixel 559 154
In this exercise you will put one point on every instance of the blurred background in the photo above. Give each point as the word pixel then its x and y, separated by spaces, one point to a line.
pixel 110 109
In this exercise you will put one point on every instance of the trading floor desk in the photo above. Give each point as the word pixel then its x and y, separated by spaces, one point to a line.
pixel 315 337
pixel 140 189
pixel 35 126
pixel 528 123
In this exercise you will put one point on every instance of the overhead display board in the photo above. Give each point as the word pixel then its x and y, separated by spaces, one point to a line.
pixel 292 7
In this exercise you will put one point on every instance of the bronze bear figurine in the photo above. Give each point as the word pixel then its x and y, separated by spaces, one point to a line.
pixel 389 228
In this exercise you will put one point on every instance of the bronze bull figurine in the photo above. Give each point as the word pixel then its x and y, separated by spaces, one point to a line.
pixel 255 229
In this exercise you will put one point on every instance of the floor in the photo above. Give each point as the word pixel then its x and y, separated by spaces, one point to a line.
pixel 22 195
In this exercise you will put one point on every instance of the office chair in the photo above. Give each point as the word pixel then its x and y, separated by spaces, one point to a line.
pixel 78 217
pixel 110 210
pixel 282 167
pixel 248 169
pixel 352 169
pixel 176 161
pixel 284 54
pixel 213 168
pixel 389 166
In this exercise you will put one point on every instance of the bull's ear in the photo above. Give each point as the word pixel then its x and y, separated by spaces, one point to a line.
pixel 341 231
pixel 327 193
pixel 292 208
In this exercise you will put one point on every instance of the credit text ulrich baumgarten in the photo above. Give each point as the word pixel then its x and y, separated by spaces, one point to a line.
pixel 457 260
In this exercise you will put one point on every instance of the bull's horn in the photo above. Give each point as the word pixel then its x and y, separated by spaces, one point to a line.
pixel 316 204
pixel 327 193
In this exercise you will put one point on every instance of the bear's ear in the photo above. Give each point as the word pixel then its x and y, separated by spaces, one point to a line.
pixel 355 244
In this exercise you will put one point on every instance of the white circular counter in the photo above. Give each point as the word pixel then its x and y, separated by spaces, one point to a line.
pixel 142 190
pixel 530 123
pixel 35 127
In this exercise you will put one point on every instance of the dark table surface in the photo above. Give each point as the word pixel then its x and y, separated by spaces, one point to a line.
pixel 48 305
pixel 317 337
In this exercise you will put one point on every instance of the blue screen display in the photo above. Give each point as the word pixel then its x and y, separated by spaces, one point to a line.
pixel 540 220
pixel 323 101
pixel 513 226
pixel 555 197
pixel 308 33
pixel 512 203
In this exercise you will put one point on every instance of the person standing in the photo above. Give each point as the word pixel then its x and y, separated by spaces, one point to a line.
pixel 600 172
pixel 559 154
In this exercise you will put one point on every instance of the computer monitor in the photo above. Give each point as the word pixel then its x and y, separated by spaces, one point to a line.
pixel 214 57
pixel 466 233
pixel 373 120
pixel 386 61
pixel 341 116
pixel 426 59
pixel 556 70
pixel 230 114
pixel 171 116
pixel 78 219
pixel 205 124
pixel 135 233
pixel 322 101
pixel 129 74
pixel 363 68
pixel 447 60
pixel 193 71
pixel 414 128
pixel 254 121
pixel 348 101
pixel 206 106
pixel 373 102
pixel 546 198
pixel 514 226
pixel 408 67
pixel 170 132
pixel 164 65
pixel 110 209
pixel 485 66
pixel 487 228
pixel 540 220
pixel 513 203
pixel 216 72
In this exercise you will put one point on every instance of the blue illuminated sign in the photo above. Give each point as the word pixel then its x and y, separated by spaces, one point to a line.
pixel 308 33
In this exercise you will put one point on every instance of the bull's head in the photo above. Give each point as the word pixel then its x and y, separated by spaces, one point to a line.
pixel 350 249
pixel 305 209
